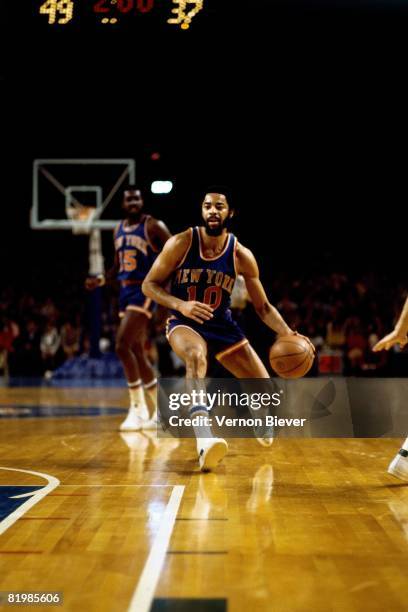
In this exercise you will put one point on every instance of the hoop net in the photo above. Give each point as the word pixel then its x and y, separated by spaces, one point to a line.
pixel 81 217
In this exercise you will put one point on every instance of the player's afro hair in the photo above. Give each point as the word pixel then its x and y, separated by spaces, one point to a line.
pixel 224 190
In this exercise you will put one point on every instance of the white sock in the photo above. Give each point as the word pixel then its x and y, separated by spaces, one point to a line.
pixel 202 432
pixel 137 399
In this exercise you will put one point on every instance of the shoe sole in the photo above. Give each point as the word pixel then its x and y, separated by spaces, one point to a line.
pixel 150 426
pixel 399 475
pixel 214 456
pixel 266 442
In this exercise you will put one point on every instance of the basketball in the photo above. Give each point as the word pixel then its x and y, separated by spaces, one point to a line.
pixel 291 356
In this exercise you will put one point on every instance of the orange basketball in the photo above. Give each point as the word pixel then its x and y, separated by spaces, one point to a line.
pixel 291 356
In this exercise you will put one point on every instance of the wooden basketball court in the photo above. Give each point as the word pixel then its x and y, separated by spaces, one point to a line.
pixel 129 523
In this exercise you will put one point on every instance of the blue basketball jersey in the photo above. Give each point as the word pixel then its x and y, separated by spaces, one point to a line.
pixel 134 249
pixel 208 280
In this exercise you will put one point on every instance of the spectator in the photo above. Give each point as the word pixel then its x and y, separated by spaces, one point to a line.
pixel 27 357
pixel 9 331
pixel 50 343
pixel 335 336
pixel 48 310
pixel 356 345
pixel 70 336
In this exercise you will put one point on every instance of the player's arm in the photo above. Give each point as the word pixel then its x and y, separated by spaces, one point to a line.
pixel 154 285
pixel 158 233
pixel 399 335
pixel 248 267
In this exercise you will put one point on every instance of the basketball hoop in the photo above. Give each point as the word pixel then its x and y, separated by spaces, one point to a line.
pixel 81 217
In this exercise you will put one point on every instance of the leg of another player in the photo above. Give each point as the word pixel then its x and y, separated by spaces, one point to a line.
pixel 244 362
pixel 146 370
pixel 192 349
pixel 399 465
pixel 138 413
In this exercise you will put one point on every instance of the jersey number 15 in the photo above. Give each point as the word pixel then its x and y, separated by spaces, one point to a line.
pixel 127 261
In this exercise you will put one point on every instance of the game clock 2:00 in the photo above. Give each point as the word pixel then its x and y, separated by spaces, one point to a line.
pixel 61 12
pixel 103 8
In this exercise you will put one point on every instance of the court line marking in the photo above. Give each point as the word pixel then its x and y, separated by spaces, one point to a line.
pixel 197 552
pixel 122 485
pixel 143 595
pixel 34 498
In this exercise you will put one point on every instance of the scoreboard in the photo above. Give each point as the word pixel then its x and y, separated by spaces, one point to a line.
pixel 183 13
pixel 110 12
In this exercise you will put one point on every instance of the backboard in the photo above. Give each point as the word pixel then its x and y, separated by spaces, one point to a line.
pixel 61 185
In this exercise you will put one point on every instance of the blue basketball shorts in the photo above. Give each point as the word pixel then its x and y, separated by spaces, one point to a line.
pixel 222 334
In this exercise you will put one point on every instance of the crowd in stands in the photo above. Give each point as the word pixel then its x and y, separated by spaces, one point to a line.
pixel 343 316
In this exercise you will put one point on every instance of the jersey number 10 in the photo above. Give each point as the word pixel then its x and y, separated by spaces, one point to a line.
pixel 212 295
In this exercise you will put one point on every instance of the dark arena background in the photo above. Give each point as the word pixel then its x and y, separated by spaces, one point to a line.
pixel 300 108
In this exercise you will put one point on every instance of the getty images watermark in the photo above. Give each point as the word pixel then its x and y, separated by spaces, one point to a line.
pixel 319 407
pixel 230 407
pixel 254 401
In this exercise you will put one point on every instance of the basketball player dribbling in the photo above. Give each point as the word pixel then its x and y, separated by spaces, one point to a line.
pixel 137 240
pixel 203 263
pixel 399 465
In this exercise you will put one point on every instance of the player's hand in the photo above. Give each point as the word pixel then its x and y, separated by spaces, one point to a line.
pixel 291 332
pixel 388 341
pixel 92 282
pixel 312 346
pixel 197 311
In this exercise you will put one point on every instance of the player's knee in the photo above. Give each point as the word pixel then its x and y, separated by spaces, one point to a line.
pixel 138 348
pixel 121 346
pixel 195 358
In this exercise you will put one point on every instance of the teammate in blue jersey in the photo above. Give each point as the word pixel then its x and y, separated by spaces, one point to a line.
pixel 137 240
pixel 203 263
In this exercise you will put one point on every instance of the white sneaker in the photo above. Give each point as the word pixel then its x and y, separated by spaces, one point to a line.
pixel 151 423
pixel 266 440
pixel 135 419
pixel 264 435
pixel 212 453
pixel 399 466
